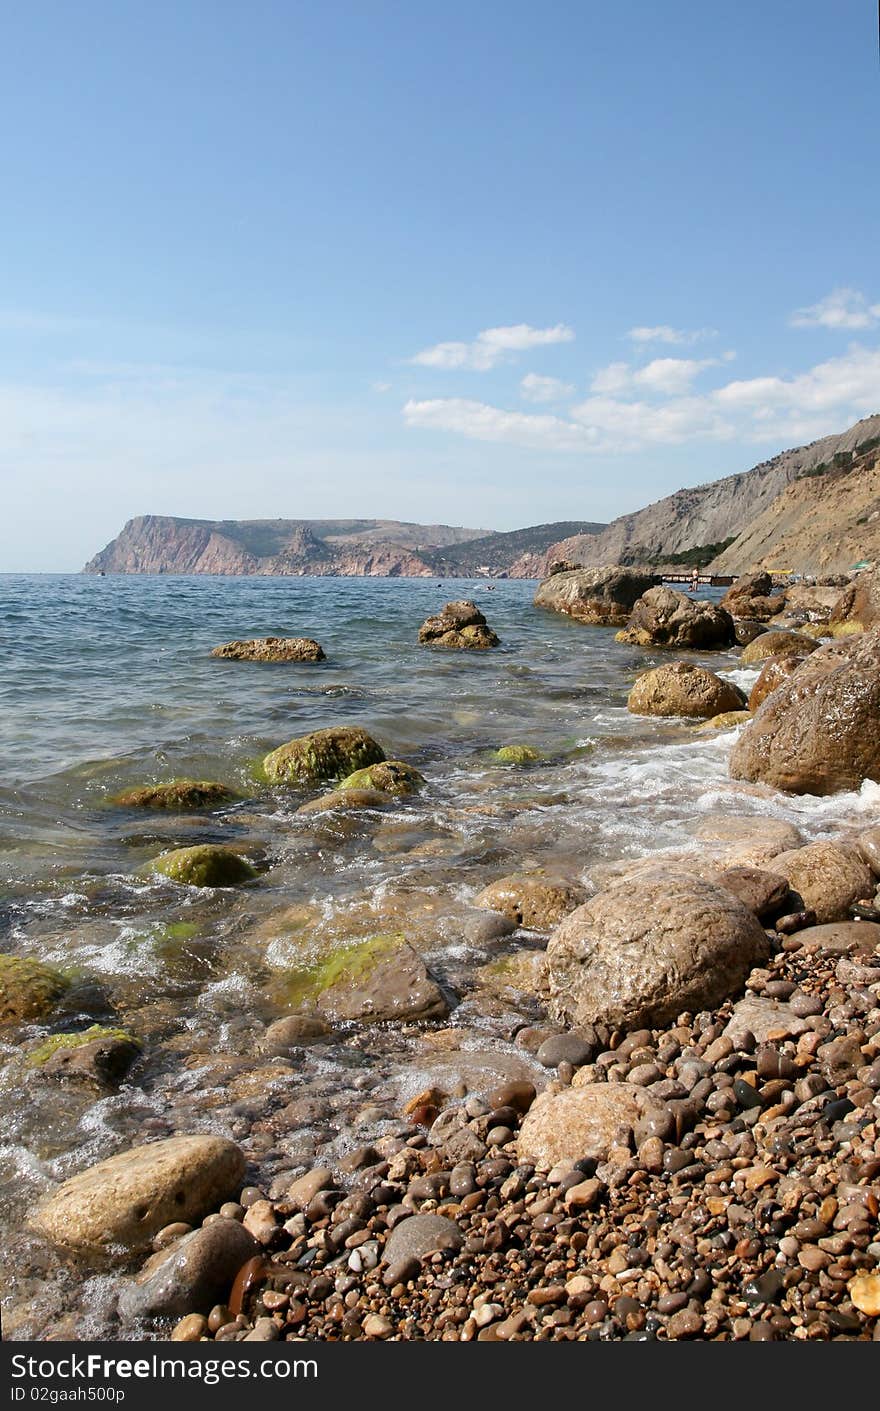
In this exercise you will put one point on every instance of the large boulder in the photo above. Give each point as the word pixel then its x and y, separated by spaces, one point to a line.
pixel 858 607
pixel 644 950
pixel 192 1276
pixel 532 900
pixel 819 732
pixel 664 618
pixel 777 643
pixel 461 626
pixel 334 753
pixel 582 1123
pixel 127 1199
pixel 683 689
pixel 826 878
pixel 207 865
pixel 271 649
pixel 812 602
pixel 28 988
pixel 599 597
pixel 752 596
pixel 176 794
pixel 775 670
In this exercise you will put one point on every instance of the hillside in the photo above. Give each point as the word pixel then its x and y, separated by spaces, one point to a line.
pixel 824 522
pixel 323 547
pixel 708 514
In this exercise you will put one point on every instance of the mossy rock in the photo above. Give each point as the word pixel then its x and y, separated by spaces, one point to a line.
pixel 335 753
pixel 100 1056
pixel 727 720
pixel 347 801
pixel 176 794
pixel 517 754
pixel 209 865
pixel 28 988
pixel 381 978
pixel 392 776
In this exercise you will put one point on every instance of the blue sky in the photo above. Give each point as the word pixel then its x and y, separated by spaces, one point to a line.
pixel 489 264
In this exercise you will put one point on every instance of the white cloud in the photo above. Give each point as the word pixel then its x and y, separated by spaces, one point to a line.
pixel 492 346
pixel 842 308
pixel 381 386
pixel 536 388
pixel 663 333
pixel 669 376
pixel 762 409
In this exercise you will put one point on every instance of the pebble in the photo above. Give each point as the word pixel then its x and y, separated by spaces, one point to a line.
pixel 569 1048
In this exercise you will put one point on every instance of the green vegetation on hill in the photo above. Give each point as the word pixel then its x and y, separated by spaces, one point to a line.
pixel 696 557
pixel 498 551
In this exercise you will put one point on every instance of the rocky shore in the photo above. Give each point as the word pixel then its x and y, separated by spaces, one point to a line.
pixel 688 1146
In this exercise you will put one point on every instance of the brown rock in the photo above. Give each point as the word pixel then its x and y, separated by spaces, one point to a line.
pixel 599 597
pixel 777 644
pixel 683 689
pixel 664 618
pixel 271 649
pixel 868 844
pixel 775 670
pixel 748 840
pixel 843 938
pixel 642 951
pixel 819 732
pixel 532 899
pixel 581 1122
pixel 460 625
pixel 826 877
pixel 191 1277
pixel 858 608
pixel 762 892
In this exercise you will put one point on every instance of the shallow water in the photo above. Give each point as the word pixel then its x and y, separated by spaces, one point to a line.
pixel 108 683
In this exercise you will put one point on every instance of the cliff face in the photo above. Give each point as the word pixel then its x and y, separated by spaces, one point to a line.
pixel 706 514
pixel 823 523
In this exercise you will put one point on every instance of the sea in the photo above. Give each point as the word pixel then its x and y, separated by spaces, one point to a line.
pixel 108 683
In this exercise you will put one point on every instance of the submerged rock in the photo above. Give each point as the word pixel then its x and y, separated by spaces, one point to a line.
pixel 209 865
pixel 28 989
pixel 98 1055
pixel 392 776
pixel 664 618
pixel 271 649
pixel 826 878
pixel 599 597
pixel 127 1199
pixel 683 689
pixel 648 948
pixel 335 753
pixel 532 900
pixel 517 754
pixel 176 794
pixel 381 978
pixel 819 732
pixel 347 800
pixel 460 625
pixel 777 644
pixel 194 1275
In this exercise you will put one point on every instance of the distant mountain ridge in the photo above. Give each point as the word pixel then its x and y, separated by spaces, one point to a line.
pixel 384 548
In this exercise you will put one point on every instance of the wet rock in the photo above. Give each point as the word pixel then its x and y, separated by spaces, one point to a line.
pixel 868 844
pixel 764 1019
pixel 567 1048
pixel 347 801
pixel 843 938
pixel 420 1235
pixel 382 978
pixel 683 688
pixel 193 1276
pixel 303 1190
pixel 532 900
pixel 642 952
pixel 391 777
pixel 28 989
pixel 461 626
pixel 517 754
pixel 176 794
pixel 209 865
pixel 664 618
pixel 601 597
pixel 777 644
pixel 864 1292
pixel 826 878
pixel 490 926
pixel 858 608
pixel 746 840
pixel 746 629
pixel 127 1199
pixel 293 1030
pixel 762 892
pixel 335 753
pixel 271 649
pixel 97 1056
pixel 581 1123
pixel 727 720
pixel 818 732
pixel 775 670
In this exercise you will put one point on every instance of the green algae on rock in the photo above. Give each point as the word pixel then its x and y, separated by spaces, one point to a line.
pixel 28 988
pixel 334 753
pixel 392 776
pixel 98 1055
pixel 347 801
pixel 271 649
pixel 176 794
pixel 208 865
pixel 381 978
pixel 516 754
